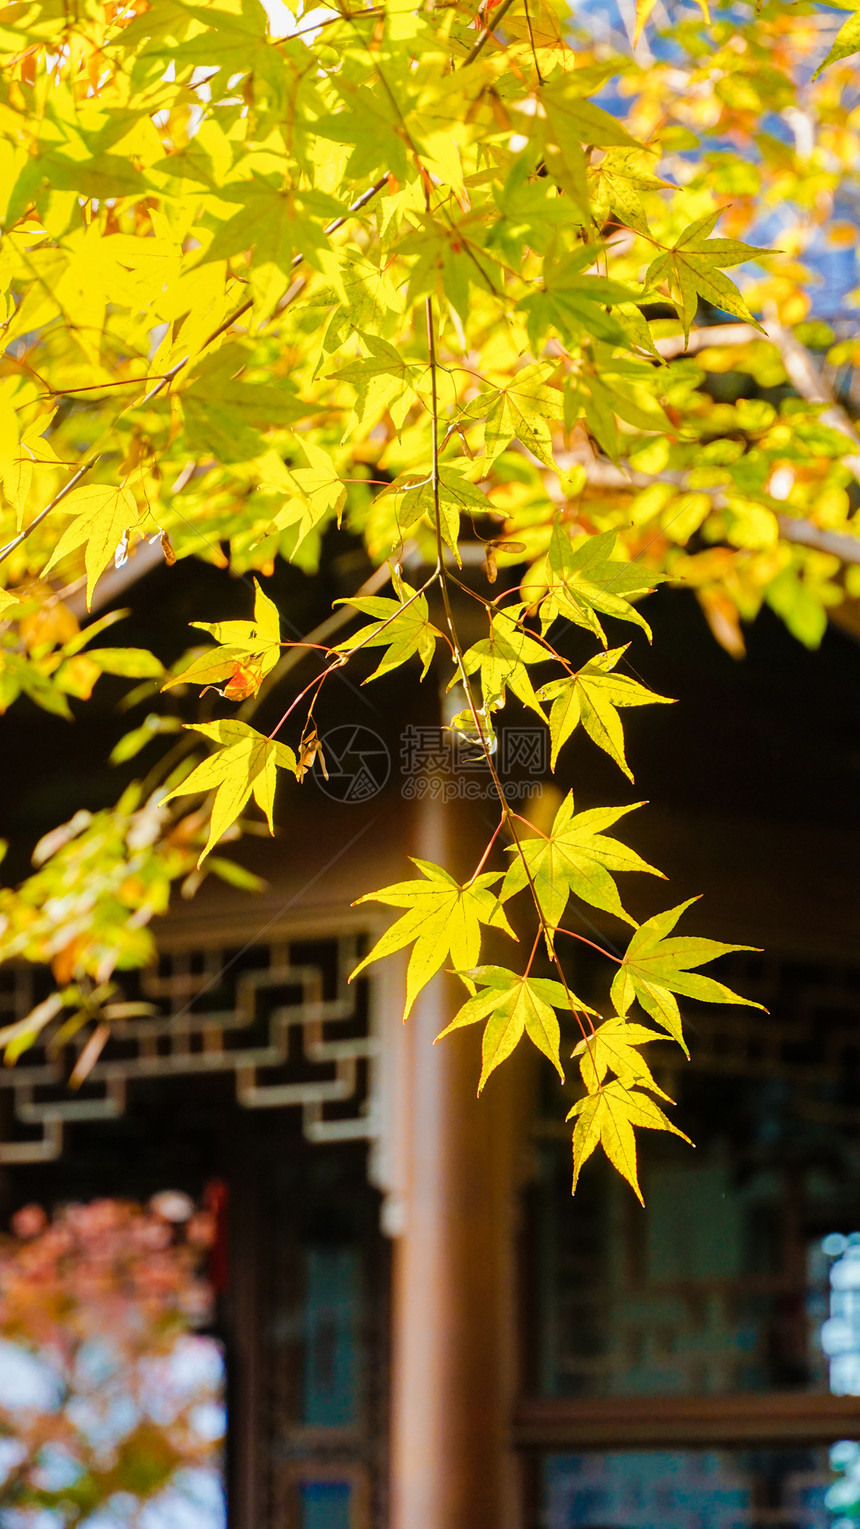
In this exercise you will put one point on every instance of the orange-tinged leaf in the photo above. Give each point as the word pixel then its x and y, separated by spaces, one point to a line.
pixel 90 1054
pixel 245 679
pixel 247 651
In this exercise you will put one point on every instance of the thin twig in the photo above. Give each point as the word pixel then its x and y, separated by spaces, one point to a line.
pixel 581 937
pixel 485 36
pixel 508 814
pixel 532 41
pixel 28 530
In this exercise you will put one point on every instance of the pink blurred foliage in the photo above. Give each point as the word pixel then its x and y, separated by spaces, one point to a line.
pixel 102 1296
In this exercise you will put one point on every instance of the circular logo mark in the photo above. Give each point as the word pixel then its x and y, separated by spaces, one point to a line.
pixel 357 764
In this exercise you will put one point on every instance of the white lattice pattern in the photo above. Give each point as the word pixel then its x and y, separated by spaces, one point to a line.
pixel 281 1018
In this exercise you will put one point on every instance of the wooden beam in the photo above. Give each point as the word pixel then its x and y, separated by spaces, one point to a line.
pixel 684 1422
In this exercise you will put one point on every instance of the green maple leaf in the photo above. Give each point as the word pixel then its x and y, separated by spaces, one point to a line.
pixel 607 1118
pixel 611 387
pixel 403 627
pixel 592 696
pixel 616 184
pixel 575 857
pixel 226 416
pixel 314 492
pixel 571 121
pixel 383 380
pixel 521 408
pixel 583 578
pixel 614 1047
pixel 502 658
pixel 657 965
pixel 573 118
pixel 238 642
pixel 231 36
pixel 513 1006
pixel 693 270
pixel 531 209
pixel 442 918
pixel 368 292
pixel 457 496
pixel 373 125
pixel 246 766
pixel 276 223
pixel 576 301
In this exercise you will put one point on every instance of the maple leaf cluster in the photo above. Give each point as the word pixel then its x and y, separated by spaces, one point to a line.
pixel 455 280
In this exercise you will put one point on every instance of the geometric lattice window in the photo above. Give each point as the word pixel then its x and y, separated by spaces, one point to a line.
pixel 685 1356
pixel 719 1287
pixel 789 1488
pixel 279 1015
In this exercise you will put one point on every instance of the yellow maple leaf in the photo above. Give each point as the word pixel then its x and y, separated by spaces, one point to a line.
pixel 606 1118
pixel 245 766
pixel 103 514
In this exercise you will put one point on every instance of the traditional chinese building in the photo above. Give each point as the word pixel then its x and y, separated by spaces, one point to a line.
pixel 421 1329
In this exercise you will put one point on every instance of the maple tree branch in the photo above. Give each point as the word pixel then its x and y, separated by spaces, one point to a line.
pixel 508 815
pixel 797 529
pixel 298 259
pixel 318 679
pixel 705 337
pixel 583 941
pixel 808 380
pixel 373 10
pixel 801 368
pixel 319 635
pixel 533 952
pixel 486 855
pixel 540 77
pixel 805 534
pixel 37 520
pixel 485 36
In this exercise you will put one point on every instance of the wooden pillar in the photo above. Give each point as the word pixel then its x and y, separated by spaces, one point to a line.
pixel 454 1333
